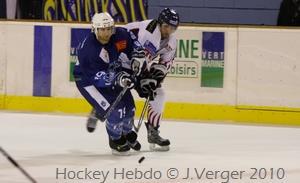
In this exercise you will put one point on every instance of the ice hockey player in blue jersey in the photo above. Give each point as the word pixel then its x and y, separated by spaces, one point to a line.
pixel 100 77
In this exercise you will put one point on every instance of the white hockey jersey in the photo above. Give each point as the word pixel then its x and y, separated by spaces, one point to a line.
pixel 149 36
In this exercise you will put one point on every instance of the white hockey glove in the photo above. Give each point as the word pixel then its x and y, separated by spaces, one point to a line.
pixel 138 61
pixel 123 79
pixel 158 72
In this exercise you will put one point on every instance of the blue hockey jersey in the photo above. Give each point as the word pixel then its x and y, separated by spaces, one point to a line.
pixel 97 63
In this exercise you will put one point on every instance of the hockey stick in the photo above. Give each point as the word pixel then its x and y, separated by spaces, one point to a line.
pixel 137 128
pixel 17 165
pixel 113 105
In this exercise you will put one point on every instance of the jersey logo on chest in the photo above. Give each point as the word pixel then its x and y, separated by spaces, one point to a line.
pixel 150 48
pixel 121 45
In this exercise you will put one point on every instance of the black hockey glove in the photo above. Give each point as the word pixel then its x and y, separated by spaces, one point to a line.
pixel 123 79
pixel 158 72
pixel 148 84
pixel 147 88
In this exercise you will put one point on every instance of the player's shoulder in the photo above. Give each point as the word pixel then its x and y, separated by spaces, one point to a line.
pixel 147 22
pixel 151 26
pixel 150 31
pixel 89 45
pixel 89 41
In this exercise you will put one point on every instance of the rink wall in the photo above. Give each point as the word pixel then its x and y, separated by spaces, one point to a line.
pixel 246 74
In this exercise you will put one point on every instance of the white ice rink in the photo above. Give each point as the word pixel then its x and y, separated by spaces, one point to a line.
pixel 44 144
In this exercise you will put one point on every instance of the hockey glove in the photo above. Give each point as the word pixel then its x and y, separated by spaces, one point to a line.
pixel 148 84
pixel 138 61
pixel 158 72
pixel 148 87
pixel 123 79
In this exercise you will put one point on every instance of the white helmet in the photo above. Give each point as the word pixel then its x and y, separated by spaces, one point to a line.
pixel 102 20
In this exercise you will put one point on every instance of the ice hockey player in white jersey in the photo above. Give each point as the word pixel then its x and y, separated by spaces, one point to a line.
pixel 160 45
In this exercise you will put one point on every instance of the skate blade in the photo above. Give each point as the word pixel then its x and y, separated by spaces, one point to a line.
pixel 117 153
pixel 155 147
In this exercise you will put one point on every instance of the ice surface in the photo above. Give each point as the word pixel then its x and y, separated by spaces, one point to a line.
pixel 44 144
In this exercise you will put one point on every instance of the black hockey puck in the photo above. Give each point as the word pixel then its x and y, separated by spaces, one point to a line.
pixel 141 159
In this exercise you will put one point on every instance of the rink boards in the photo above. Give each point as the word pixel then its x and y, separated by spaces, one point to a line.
pixel 220 73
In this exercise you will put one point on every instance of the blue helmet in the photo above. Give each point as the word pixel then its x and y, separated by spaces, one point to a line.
pixel 169 16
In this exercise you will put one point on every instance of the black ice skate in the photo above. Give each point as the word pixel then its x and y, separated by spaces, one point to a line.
pixel 132 141
pixel 157 143
pixel 92 121
pixel 119 147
